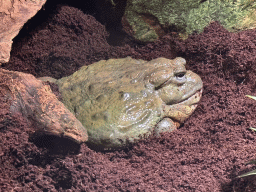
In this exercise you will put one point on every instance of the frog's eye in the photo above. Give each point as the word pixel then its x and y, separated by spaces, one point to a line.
pixel 180 77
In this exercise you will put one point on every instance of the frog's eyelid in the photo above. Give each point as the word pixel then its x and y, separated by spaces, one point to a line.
pixel 180 74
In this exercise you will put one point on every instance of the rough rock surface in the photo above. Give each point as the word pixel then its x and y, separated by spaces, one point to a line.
pixel 13 15
pixel 36 102
pixel 147 20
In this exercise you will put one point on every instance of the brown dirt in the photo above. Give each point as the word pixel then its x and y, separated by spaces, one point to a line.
pixel 204 154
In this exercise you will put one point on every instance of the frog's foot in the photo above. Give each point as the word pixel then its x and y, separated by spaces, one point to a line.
pixel 166 125
pixel 36 102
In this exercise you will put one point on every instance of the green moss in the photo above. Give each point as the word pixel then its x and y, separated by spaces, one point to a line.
pixel 166 13
pixel 187 16
pixel 230 14
pixel 142 30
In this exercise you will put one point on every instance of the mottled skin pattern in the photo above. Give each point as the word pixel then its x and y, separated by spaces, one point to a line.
pixel 120 100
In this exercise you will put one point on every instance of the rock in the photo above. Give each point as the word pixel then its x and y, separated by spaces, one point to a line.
pixel 147 20
pixel 13 15
pixel 36 102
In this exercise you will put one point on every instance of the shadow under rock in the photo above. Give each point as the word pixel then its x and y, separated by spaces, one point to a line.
pixel 56 145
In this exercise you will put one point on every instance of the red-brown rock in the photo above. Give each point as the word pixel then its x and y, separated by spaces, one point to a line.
pixel 13 15
pixel 36 102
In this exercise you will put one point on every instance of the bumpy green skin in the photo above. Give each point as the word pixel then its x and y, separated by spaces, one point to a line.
pixel 187 16
pixel 120 100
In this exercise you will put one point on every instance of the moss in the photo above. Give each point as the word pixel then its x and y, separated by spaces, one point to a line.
pixel 187 16
pixel 230 14
pixel 166 13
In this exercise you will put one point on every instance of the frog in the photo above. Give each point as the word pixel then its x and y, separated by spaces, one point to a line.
pixel 122 101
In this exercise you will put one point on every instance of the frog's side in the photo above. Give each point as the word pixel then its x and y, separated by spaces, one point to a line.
pixel 120 100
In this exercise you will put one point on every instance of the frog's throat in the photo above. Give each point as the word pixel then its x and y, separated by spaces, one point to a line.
pixel 181 111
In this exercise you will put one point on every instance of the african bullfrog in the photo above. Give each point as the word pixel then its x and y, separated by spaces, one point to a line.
pixel 120 101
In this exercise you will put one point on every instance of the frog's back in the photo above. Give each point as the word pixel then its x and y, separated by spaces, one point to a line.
pixel 111 101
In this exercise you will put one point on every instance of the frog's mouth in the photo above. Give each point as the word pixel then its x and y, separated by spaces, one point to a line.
pixel 192 99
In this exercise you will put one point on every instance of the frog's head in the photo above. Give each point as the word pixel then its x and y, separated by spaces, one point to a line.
pixel 179 89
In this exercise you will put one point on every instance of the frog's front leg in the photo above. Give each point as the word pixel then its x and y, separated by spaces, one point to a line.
pixel 165 125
